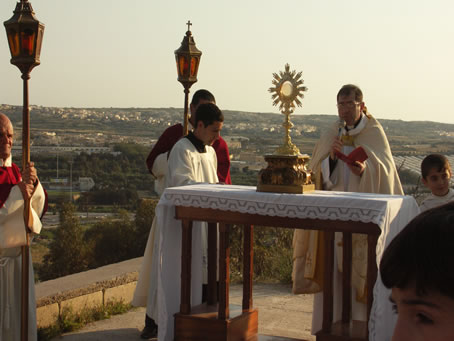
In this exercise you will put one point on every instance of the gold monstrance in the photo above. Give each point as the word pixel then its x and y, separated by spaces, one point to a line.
pixel 287 171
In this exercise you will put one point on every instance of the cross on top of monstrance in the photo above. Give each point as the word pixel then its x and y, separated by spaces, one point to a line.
pixel 286 171
pixel 288 88
pixel 189 23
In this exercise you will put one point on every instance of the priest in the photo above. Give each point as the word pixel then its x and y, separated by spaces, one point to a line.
pixel 377 174
pixel 16 188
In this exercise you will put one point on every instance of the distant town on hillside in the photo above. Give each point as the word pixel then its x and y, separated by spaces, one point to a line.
pixel 59 131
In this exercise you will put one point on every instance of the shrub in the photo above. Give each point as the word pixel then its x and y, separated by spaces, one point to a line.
pixel 67 252
pixel 144 218
pixel 70 321
pixel 111 240
pixel 272 254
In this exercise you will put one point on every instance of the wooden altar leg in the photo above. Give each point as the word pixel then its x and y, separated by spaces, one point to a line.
pixel 346 276
pixel 224 271
pixel 328 282
pixel 371 270
pixel 186 255
pixel 212 259
pixel 248 266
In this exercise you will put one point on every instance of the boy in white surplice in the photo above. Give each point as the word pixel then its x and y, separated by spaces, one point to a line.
pixel 436 176
pixel 192 160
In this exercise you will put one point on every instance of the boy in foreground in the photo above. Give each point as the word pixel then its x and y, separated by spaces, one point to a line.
pixel 436 175
pixel 418 267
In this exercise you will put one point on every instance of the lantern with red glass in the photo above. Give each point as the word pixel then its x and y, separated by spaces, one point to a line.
pixel 188 59
pixel 25 34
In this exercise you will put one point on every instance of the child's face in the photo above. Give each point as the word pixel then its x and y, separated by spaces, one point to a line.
pixel 423 318
pixel 438 181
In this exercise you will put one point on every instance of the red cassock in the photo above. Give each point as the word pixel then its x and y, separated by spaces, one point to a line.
pixel 172 134
pixel 9 176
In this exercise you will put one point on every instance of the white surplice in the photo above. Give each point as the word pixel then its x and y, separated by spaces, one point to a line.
pixel 146 288
pixel 187 166
pixel 434 200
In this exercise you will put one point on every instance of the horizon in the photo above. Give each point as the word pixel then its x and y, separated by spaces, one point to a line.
pixel 122 54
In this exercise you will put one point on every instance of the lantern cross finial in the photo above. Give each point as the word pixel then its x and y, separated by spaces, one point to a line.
pixel 189 25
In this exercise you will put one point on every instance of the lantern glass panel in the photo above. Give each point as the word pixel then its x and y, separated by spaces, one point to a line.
pixel 183 66
pixel 13 39
pixel 39 42
pixel 194 64
pixel 28 41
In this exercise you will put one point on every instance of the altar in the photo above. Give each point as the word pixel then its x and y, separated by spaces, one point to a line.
pixel 180 211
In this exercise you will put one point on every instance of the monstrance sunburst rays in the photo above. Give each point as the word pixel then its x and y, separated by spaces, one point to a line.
pixel 287 92
pixel 284 94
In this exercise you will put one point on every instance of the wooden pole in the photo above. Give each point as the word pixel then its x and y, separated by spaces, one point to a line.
pixel 27 218
pixel 186 111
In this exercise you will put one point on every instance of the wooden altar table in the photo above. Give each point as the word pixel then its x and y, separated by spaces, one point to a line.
pixel 380 217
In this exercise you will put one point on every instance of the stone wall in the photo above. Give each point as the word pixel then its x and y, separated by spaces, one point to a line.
pixel 87 289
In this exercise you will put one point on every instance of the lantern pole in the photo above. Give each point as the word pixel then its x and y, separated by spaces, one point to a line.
pixel 28 219
pixel 188 60
pixel 186 110
pixel 25 35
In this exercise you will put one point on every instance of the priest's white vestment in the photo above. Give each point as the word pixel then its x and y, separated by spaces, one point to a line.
pixel 379 176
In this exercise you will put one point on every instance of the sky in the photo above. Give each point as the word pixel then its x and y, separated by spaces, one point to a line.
pixel 120 53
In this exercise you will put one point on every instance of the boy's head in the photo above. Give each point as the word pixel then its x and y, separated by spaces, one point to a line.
pixel 418 267
pixel 208 123
pixel 436 173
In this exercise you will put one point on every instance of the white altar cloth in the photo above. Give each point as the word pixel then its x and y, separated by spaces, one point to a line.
pixel 390 212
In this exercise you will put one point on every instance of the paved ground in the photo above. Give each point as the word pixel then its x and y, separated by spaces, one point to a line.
pixel 280 314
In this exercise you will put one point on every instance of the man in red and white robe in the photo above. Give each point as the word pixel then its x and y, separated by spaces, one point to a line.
pixel 16 188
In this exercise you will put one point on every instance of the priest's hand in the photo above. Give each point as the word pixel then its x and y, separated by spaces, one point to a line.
pixel 29 175
pixel 357 168
pixel 336 146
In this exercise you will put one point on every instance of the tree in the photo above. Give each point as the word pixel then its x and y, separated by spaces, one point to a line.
pixel 144 218
pixel 111 241
pixel 67 252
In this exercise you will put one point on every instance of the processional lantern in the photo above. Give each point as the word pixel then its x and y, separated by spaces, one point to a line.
pixel 25 35
pixel 287 169
pixel 188 60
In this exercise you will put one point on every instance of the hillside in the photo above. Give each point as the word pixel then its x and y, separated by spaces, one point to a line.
pixel 143 125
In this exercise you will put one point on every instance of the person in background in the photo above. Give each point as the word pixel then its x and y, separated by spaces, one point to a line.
pixel 436 176
pixel 417 267
pixel 16 187
pixel 157 159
